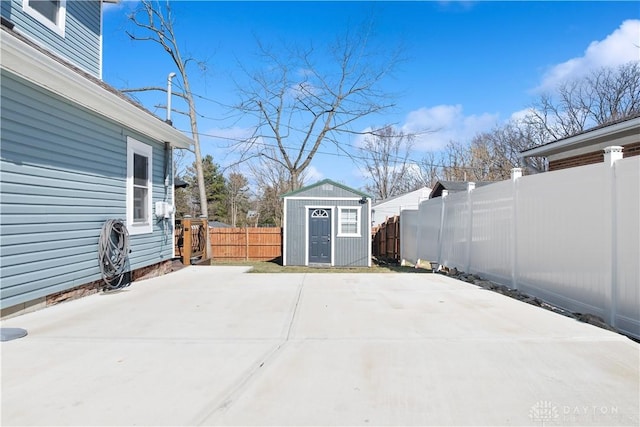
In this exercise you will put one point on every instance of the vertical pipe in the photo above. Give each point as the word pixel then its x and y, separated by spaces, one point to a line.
pixel 169 77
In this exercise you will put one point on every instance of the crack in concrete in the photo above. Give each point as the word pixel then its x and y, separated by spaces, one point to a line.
pixel 231 396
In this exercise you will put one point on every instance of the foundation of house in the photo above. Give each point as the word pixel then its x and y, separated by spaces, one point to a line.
pixel 90 288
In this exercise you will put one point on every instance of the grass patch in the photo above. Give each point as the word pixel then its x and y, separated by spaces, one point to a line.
pixel 275 267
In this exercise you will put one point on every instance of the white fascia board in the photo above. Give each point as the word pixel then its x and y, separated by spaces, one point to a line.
pixel 337 199
pixel 552 147
pixel 32 65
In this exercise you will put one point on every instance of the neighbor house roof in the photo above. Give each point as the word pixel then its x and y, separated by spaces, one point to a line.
pixel 178 183
pixel 218 224
pixel 595 138
pixel 26 59
pixel 417 193
pixel 454 187
pixel 326 181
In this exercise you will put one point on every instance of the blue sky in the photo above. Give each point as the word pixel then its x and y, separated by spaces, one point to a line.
pixel 469 65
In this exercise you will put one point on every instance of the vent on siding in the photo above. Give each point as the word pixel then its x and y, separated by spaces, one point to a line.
pixel 327 187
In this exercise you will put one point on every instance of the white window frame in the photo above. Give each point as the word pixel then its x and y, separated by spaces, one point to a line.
pixel 358 210
pixel 137 147
pixel 57 27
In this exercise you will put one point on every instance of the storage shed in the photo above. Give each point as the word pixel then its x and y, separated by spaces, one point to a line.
pixel 327 224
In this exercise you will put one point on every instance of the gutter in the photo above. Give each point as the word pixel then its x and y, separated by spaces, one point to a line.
pixel 568 143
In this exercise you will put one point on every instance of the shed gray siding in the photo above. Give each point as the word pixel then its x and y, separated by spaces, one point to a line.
pixel 81 44
pixel 322 191
pixel 348 251
pixel 63 174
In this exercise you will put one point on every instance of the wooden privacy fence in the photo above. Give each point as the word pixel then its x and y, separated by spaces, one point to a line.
pixel 385 240
pixel 250 243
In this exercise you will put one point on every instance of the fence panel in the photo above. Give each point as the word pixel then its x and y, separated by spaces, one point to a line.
pixel 563 241
pixel 491 231
pixel 429 214
pixel 627 245
pixel 409 235
pixel 455 231
pixel 385 240
pixel 255 244
pixel 570 237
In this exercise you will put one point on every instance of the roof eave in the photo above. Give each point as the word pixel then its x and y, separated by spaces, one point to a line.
pixel 325 181
pixel 32 65
pixel 573 141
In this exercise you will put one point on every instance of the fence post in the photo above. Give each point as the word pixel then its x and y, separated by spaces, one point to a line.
pixel 246 244
pixel 611 155
pixel 444 195
pixel 516 173
pixel 205 226
pixel 186 240
pixel 470 187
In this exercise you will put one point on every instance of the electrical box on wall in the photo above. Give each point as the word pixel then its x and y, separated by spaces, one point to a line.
pixel 163 210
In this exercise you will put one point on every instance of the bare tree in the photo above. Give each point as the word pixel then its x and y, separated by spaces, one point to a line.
pixel 430 170
pixel 272 181
pixel 300 100
pixel 385 157
pixel 156 22
pixel 237 198
pixel 605 95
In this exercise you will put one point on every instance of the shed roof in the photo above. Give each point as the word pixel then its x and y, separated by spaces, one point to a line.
pixel 325 181
pixel 454 187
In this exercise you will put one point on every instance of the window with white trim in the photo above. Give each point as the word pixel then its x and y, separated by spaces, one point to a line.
pixel 139 187
pixel 51 13
pixel 349 221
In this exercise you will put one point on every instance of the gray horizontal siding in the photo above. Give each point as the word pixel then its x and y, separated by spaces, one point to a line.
pixel 63 174
pixel 81 44
pixel 349 251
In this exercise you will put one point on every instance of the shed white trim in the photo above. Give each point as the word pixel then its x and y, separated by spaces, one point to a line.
pixel 323 198
pixel 307 208
pixel 284 234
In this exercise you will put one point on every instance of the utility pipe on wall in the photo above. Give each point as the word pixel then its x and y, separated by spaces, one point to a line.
pixel 169 77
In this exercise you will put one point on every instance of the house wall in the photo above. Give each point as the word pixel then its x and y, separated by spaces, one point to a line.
pixel 63 174
pixel 386 209
pixel 348 251
pixel 629 150
pixel 81 44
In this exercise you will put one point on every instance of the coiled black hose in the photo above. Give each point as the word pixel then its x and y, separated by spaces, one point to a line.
pixel 113 249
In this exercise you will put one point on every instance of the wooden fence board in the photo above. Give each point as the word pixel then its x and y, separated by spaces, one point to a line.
pixel 386 240
pixel 254 244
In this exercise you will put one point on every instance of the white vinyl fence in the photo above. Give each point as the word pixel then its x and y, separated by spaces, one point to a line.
pixel 570 237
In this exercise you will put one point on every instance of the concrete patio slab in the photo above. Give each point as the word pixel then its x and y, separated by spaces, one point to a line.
pixel 216 346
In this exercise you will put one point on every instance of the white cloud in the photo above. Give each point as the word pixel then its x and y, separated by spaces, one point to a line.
pixel 617 48
pixel 520 115
pixel 436 126
pixel 126 5
pixel 312 175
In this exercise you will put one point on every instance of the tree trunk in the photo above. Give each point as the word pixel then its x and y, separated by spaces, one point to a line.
pixel 204 209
